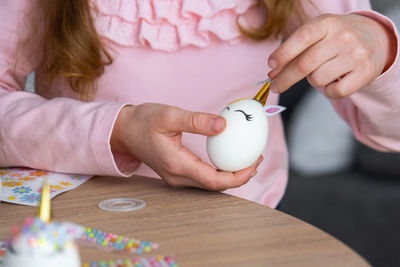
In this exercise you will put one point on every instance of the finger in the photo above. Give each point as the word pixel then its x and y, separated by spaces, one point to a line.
pixel 304 37
pixel 252 169
pixel 347 85
pixel 330 72
pixel 185 164
pixel 195 122
pixel 302 66
pixel 273 73
pixel 186 169
pixel 211 179
pixel 257 163
pixel 247 173
pixel 181 181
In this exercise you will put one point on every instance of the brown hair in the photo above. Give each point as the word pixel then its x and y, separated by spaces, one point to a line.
pixel 278 15
pixel 70 44
pixel 72 48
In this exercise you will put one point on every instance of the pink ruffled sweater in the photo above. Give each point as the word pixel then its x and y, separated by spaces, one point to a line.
pixel 179 52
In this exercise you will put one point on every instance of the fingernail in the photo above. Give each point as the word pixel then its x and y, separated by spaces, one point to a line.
pixel 218 124
pixel 273 87
pixel 259 161
pixel 253 174
pixel 272 63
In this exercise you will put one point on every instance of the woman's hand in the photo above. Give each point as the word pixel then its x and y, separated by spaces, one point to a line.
pixel 342 53
pixel 152 133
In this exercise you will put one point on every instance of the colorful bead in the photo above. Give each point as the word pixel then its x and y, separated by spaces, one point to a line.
pixel 159 261
pixel 117 242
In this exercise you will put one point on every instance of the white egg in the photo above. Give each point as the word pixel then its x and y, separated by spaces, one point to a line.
pixel 244 138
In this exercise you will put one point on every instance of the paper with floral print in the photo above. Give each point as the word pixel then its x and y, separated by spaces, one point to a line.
pixel 24 186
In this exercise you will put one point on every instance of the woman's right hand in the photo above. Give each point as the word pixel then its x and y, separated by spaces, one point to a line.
pixel 152 133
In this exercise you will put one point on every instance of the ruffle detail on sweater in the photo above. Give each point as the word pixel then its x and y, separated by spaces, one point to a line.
pixel 169 25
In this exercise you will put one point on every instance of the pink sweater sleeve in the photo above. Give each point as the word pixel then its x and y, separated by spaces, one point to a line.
pixel 62 135
pixel 373 112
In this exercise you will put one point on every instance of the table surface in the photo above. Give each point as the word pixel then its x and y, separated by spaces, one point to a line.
pixel 195 227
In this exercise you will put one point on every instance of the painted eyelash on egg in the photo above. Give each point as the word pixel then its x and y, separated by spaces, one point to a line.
pixel 249 117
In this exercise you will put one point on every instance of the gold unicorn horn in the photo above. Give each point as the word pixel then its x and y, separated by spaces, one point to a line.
pixel 262 95
pixel 45 206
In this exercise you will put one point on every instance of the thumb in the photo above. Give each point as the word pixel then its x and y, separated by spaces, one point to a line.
pixel 201 123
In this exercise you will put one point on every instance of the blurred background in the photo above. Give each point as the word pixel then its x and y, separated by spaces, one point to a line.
pixel 336 183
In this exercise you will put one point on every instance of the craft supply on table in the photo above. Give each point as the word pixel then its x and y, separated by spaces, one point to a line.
pixel 117 242
pixel 24 186
pixel 41 242
pixel 122 204
pixel 59 233
pixel 166 261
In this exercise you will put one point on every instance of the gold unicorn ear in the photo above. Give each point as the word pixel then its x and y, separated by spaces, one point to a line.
pixel 45 206
pixel 262 95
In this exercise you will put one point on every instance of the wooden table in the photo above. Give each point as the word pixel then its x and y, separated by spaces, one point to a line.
pixel 196 227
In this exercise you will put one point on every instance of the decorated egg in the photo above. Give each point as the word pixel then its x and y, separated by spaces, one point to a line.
pixel 246 133
pixel 41 244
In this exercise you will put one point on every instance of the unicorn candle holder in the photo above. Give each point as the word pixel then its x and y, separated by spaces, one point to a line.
pixel 41 243
pixel 246 133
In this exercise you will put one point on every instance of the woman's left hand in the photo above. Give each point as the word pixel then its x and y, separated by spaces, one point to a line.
pixel 342 53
